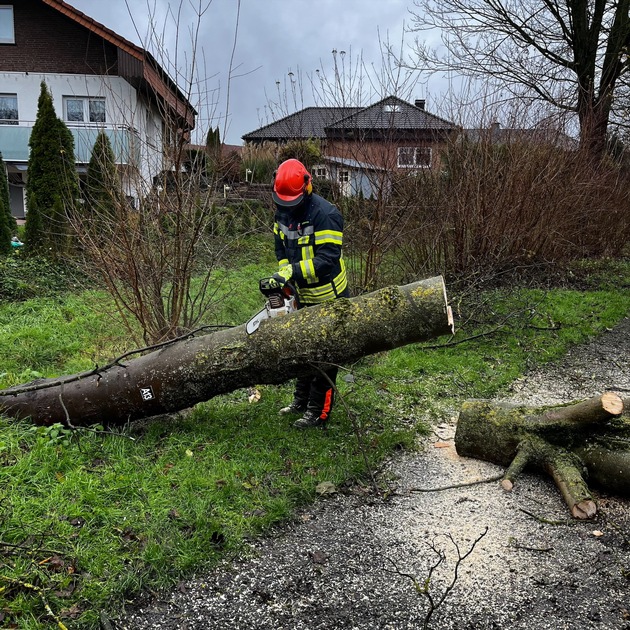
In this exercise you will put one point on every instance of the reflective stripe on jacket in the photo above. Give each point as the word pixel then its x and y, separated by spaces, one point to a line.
pixel 310 239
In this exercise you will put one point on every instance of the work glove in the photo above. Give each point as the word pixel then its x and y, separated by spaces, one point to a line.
pixel 283 275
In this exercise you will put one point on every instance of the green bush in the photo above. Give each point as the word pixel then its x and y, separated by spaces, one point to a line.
pixel 23 278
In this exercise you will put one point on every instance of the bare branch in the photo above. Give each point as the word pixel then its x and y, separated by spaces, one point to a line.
pixel 571 55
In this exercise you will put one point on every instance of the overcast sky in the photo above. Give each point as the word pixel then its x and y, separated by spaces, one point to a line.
pixel 274 38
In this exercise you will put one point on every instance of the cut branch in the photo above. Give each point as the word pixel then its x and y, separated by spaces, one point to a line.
pixel 597 409
pixel 590 436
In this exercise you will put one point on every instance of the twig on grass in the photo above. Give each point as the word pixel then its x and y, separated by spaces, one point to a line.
pixel 41 594
pixel 65 410
pixel 29 550
pixel 450 344
pixel 355 425
pixel 500 327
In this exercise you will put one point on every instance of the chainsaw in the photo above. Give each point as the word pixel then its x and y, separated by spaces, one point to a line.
pixel 279 301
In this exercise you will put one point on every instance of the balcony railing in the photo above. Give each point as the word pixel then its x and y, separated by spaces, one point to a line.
pixel 125 142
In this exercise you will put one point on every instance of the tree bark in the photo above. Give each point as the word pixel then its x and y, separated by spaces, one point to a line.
pixel 592 436
pixel 199 368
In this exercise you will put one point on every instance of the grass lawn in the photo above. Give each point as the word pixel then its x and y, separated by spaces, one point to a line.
pixel 90 518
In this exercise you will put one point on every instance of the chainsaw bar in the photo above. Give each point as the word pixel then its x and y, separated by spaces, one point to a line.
pixel 253 324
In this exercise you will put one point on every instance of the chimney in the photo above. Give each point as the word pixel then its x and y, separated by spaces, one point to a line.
pixel 420 103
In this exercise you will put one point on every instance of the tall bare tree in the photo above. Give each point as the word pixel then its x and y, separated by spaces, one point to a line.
pixel 572 54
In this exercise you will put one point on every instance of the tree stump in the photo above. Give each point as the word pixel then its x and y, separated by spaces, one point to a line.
pixel 589 438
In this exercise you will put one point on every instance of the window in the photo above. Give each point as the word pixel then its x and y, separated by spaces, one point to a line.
pixel 320 172
pixel 414 157
pixel 391 108
pixel 8 109
pixel 84 109
pixel 345 183
pixel 7 34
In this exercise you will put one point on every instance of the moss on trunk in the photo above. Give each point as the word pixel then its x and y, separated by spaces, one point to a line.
pixel 592 436
pixel 197 369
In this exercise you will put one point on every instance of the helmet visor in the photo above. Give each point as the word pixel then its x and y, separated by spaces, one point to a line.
pixel 287 201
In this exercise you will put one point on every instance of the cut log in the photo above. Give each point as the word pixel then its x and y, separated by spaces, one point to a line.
pixel 590 436
pixel 597 409
pixel 197 369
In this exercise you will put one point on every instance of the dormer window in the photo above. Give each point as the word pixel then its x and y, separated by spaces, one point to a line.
pixel 391 108
pixel 7 32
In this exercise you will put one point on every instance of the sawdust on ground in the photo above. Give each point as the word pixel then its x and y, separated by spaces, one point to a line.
pixel 361 562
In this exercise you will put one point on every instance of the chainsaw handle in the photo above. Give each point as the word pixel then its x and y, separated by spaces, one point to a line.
pixel 289 290
pixel 269 286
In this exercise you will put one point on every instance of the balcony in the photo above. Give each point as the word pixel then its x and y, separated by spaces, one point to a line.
pixel 125 143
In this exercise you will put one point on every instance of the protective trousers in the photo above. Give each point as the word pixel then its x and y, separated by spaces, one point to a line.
pixel 317 392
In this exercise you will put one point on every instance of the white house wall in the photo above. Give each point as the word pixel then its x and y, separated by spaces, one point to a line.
pixel 127 114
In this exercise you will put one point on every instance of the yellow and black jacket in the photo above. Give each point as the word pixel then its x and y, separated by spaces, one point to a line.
pixel 310 239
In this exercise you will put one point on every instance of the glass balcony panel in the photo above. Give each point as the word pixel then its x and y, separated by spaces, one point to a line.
pixel 14 143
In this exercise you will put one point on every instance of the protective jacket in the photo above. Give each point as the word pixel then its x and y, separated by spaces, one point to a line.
pixel 309 238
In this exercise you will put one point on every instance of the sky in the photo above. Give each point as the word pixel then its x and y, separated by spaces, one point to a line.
pixel 280 53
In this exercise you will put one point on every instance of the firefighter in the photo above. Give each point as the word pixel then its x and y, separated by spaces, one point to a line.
pixel 308 233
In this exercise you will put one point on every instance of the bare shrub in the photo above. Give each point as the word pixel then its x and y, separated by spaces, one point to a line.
pixel 260 161
pixel 147 256
pixel 493 206
pixel 157 255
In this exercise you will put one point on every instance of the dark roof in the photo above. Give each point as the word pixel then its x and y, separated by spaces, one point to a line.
pixel 392 113
pixel 321 122
pixel 310 122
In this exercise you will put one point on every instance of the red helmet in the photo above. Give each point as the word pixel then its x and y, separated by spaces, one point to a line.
pixel 291 183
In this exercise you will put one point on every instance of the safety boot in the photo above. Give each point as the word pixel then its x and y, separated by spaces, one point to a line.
pixel 310 420
pixel 296 406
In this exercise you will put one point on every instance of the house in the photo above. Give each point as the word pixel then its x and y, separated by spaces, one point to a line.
pixel 98 80
pixel 364 147
pixel 353 177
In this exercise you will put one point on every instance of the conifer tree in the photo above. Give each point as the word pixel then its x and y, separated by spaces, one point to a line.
pixel 52 186
pixel 213 140
pixel 7 222
pixel 102 192
pixel 213 151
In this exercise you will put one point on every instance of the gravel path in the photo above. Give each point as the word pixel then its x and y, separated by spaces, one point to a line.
pixel 348 561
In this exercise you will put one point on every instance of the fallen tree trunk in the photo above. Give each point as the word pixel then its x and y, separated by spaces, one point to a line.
pixel 198 368
pixel 591 436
